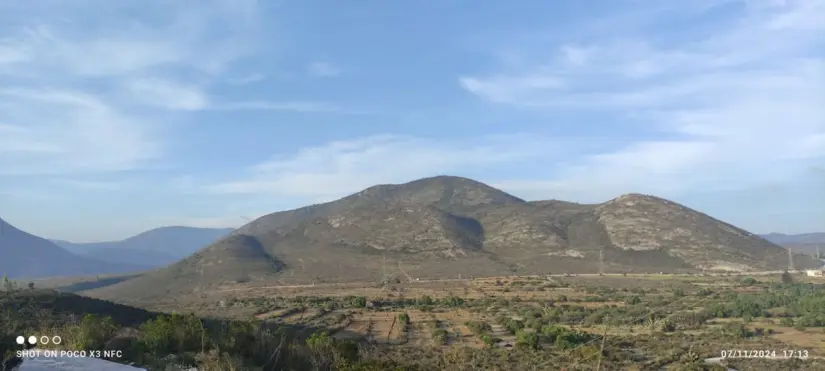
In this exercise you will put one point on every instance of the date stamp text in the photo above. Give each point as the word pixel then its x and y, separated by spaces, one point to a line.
pixel 764 353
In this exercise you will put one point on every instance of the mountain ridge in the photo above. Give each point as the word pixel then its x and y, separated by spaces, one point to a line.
pixel 24 255
pixel 153 248
pixel 445 226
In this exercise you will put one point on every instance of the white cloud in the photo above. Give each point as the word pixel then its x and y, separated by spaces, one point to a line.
pixel 339 168
pixel 323 69
pixel 739 107
pixel 70 79
pixel 295 106
pixel 246 79
pixel 63 131
pixel 90 185
pixel 168 94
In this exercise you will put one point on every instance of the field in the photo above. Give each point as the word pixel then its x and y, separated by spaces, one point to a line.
pixel 646 320
pixel 616 322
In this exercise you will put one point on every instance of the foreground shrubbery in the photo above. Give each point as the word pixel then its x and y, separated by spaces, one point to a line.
pixel 552 335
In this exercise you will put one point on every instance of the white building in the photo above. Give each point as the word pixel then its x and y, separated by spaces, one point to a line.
pixel 814 272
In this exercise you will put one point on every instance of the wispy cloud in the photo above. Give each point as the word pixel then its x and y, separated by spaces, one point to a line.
pixel 323 69
pixel 295 106
pixel 89 185
pixel 246 79
pixel 342 167
pixel 65 131
pixel 69 80
pixel 741 105
pixel 168 94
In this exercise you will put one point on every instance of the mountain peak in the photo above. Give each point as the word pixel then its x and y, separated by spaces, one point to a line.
pixel 445 191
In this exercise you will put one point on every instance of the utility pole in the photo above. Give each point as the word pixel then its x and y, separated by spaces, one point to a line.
pixel 601 262
pixel 817 252
pixel 790 260
pixel 601 348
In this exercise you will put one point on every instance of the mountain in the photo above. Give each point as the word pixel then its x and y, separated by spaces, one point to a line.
pixel 154 248
pixel 23 255
pixel 806 243
pixel 805 238
pixel 445 226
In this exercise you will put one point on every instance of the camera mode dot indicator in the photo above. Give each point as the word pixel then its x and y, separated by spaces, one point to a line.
pixel 32 340
pixel 21 340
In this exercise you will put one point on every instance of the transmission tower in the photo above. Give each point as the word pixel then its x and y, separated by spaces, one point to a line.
pixel 601 262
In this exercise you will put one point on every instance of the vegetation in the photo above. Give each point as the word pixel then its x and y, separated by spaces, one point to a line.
pixel 523 330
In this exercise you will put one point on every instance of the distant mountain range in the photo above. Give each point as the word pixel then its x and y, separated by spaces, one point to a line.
pixel 23 255
pixel 448 226
pixel 806 243
pixel 154 248
pixel 782 239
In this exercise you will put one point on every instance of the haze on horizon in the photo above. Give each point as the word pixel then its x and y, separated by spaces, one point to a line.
pixel 119 117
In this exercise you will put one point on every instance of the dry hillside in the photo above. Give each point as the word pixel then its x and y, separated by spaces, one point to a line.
pixel 448 226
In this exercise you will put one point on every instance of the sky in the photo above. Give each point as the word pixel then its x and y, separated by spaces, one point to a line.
pixel 121 116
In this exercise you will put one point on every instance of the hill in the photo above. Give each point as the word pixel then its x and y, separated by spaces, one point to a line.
pixel 804 238
pixel 154 248
pixel 23 255
pixel 806 243
pixel 448 226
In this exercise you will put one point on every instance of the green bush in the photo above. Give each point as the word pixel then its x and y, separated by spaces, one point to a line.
pixel 527 339
pixel 440 336
pixel 425 300
pixel 359 302
pixel 453 301
pixel 514 325
pixel 633 300
pixel 478 327
pixel 173 334
pixel 489 340
pixel 326 352
pixel 93 332
pixel 748 281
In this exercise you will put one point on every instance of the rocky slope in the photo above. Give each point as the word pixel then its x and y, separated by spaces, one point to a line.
pixel 445 226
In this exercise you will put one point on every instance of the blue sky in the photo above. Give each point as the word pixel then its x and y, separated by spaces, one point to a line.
pixel 120 116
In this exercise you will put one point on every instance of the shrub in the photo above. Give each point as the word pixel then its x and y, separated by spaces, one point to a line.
pixel 453 301
pixel 489 340
pixel 479 328
pixel 359 302
pixel 440 336
pixel 748 281
pixel 527 339
pixel 786 278
pixel 514 325
pixel 425 300
pixel 326 352
pixel 172 334
pixel 93 332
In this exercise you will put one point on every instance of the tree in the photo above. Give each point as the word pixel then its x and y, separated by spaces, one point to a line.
pixel 7 284
pixel 786 278
pixel 31 285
